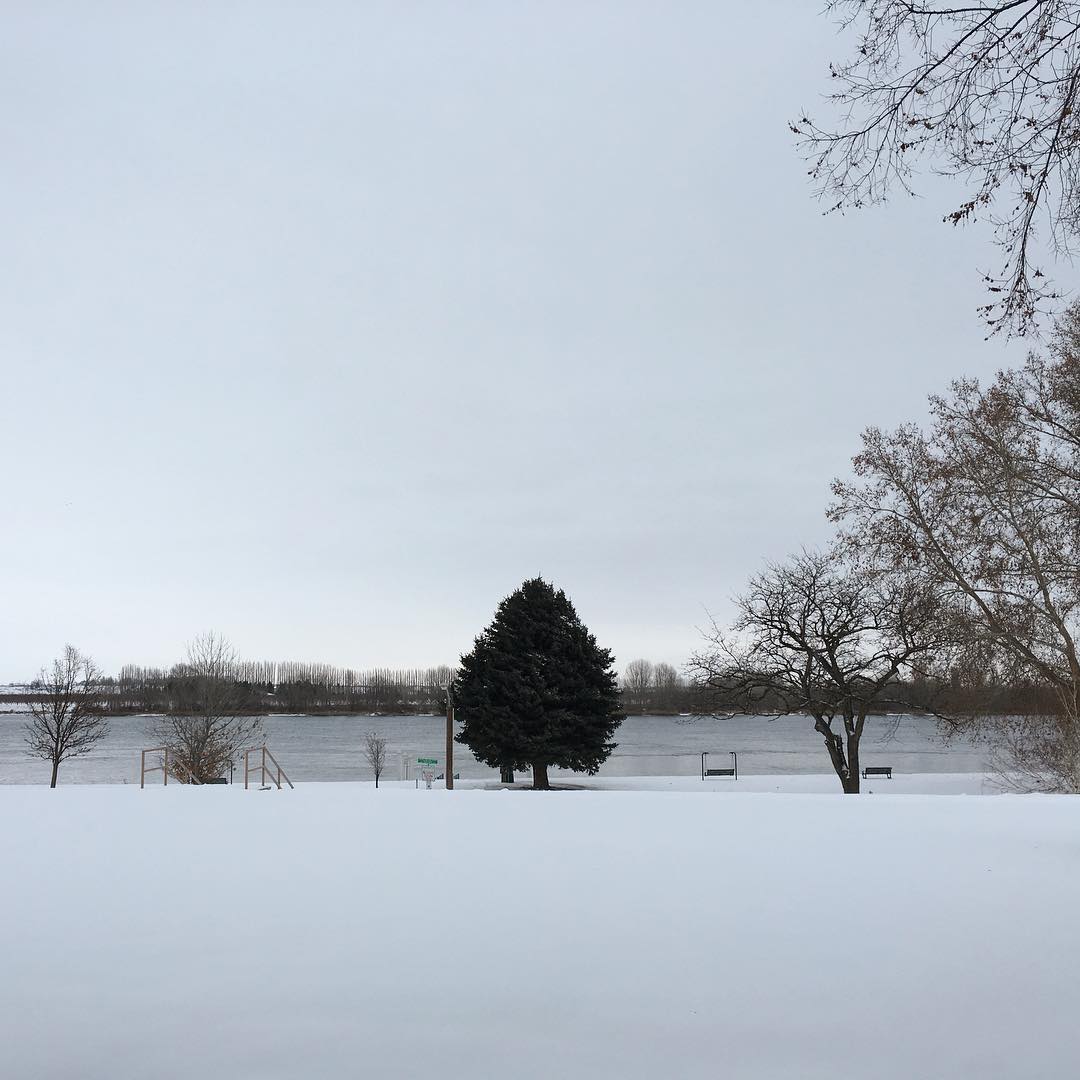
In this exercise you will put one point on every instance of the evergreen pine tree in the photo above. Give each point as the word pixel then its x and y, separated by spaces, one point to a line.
pixel 537 690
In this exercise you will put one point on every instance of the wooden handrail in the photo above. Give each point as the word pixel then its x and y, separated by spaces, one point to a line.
pixel 163 768
pixel 143 770
pixel 281 771
pixel 262 767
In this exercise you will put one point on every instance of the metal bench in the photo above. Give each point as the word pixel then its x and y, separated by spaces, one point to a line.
pixel 707 772
pixel 877 770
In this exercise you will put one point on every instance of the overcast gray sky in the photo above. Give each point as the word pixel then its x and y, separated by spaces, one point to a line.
pixel 324 325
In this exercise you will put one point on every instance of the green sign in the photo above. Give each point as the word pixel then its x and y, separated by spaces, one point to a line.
pixel 427 761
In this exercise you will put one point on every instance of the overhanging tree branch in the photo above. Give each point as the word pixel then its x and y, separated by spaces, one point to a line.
pixel 983 92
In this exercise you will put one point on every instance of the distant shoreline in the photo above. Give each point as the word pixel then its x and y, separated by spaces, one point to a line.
pixel 335 711
pixel 293 712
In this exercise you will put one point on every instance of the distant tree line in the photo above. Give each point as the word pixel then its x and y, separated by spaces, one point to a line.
pixel 266 686
pixel 655 688
pixel 660 689
pixel 646 688
pixel 289 686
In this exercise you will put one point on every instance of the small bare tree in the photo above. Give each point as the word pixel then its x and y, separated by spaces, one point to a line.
pixel 211 731
pixel 819 636
pixel 66 718
pixel 375 752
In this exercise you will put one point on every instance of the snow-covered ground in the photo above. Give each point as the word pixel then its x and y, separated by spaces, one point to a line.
pixel 336 931
pixel 796 784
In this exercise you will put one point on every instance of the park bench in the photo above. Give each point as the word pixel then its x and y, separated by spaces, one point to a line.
pixel 877 770
pixel 707 770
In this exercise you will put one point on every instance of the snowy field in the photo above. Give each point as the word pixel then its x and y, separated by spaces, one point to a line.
pixel 336 931
pixel 796 784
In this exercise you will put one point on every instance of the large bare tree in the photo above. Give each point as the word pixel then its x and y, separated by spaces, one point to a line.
pixel 210 729
pixel 983 91
pixel 985 507
pixel 66 716
pixel 820 636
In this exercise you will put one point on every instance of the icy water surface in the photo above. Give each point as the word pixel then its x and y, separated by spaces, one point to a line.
pixel 331 748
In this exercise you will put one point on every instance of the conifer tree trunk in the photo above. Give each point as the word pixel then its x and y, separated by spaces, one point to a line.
pixel 540 776
pixel 506 774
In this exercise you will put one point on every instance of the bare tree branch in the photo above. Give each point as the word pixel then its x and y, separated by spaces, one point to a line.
pixel 985 507
pixel 208 730
pixel 821 636
pixel 987 92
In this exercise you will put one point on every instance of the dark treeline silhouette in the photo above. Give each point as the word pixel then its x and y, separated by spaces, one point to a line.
pixel 646 689
pixel 286 687
pixel 914 696
pixel 656 689
pixel 298 687
pixel 650 689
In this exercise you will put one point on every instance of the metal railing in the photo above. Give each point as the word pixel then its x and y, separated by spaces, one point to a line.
pixel 262 766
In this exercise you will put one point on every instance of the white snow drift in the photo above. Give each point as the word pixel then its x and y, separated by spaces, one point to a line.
pixel 335 931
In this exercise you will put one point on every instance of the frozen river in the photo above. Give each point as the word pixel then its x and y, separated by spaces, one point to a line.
pixel 331 747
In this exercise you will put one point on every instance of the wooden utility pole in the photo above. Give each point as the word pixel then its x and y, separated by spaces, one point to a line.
pixel 449 739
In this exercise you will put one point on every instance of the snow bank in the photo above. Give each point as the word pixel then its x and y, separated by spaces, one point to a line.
pixel 335 931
